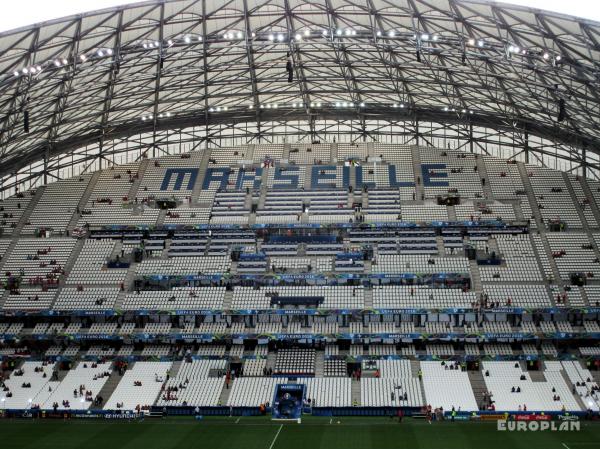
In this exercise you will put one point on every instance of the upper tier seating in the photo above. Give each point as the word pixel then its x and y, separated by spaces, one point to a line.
pixel 57 205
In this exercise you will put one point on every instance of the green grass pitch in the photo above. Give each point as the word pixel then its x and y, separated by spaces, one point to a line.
pixel 262 433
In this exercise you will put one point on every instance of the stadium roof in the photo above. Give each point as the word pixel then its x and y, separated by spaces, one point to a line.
pixel 169 64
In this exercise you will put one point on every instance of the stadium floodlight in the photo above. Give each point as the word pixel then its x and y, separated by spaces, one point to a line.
pixel 16 73
pixel 391 33
pixel 280 37
pixel 25 71
pixel 378 33
pixel 298 37
pixel 240 35
pixel 199 38
pixel 401 105
pixel 83 58
pixel 362 105
pixel 64 61
pixel 344 104
pixel 395 105
pixel 109 51
pixel 187 39
pixel 100 53
pixel 32 70
pixel 271 37
pixel 337 104
pixel 471 41
pixel 268 106
pixel 424 37
pixel 463 111
pixel 218 108
pixel 348 32
pixel 338 32
pixel 168 114
pixel 445 108
pixel 307 32
pixel 211 109
pixel 294 105
pixel 160 115
pixel 480 43
pixel 57 63
pixel 157 44
pixel 169 42
pixel 275 106
pixel 353 32
pixel 319 104
pixel 324 33
pixel 545 56
pixel 435 37
pixel 558 58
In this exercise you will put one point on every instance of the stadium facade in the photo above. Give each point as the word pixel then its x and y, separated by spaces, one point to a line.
pixel 328 207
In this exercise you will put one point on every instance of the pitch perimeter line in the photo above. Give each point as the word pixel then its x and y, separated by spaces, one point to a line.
pixel 277 434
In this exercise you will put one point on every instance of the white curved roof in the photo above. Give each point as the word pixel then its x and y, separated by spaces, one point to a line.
pixel 181 62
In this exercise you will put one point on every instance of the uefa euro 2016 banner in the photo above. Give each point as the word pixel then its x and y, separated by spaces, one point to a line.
pixel 321 176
